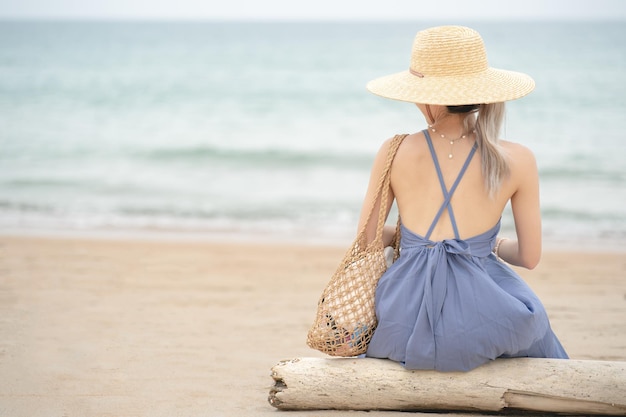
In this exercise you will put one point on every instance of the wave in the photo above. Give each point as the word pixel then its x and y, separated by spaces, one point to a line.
pixel 254 211
pixel 26 207
pixel 583 215
pixel 596 173
pixel 262 157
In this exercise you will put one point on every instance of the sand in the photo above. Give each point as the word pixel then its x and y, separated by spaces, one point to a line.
pixel 139 327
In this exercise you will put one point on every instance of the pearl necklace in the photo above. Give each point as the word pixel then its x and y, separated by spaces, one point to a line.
pixel 463 136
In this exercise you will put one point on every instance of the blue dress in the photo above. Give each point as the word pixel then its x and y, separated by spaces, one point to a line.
pixel 452 305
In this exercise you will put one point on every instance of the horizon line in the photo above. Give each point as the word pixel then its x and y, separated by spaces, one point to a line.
pixel 191 19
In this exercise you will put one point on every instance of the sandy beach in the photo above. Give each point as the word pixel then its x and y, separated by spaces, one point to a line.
pixel 146 327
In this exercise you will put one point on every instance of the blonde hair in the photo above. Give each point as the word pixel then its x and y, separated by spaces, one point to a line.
pixel 488 121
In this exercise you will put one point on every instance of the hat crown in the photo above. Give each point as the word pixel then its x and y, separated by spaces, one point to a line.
pixel 448 51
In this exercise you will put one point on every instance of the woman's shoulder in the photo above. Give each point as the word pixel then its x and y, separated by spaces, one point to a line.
pixel 517 153
pixel 406 146
pixel 413 148
pixel 410 143
pixel 416 137
pixel 514 146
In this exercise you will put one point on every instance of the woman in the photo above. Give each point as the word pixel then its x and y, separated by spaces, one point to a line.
pixel 449 302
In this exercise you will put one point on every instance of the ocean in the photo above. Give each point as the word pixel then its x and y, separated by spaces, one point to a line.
pixel 226 129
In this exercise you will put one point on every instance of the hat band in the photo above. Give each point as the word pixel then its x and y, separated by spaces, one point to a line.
pixel 417 74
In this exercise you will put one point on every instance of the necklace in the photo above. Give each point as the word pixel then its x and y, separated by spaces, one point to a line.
pixel 452 141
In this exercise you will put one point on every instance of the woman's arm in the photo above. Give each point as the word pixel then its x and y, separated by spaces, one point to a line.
pixel 389 235
pixel 526 250
pixel 376 172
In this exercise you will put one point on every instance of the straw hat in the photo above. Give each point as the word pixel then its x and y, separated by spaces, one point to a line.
pixel 449 67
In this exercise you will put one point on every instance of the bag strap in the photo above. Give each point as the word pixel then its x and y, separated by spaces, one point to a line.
pixel 382 193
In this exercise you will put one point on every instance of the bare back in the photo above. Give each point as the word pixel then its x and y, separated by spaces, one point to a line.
pixel 419 196
pixel 416 188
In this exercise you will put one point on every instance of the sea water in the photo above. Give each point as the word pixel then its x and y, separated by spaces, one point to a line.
pixel 266 128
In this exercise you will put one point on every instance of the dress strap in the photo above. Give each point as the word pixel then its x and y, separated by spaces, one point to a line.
pixel 447 194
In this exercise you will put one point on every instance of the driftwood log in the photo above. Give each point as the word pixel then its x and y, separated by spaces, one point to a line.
pixel 530 384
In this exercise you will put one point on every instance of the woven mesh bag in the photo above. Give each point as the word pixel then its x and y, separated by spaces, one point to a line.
pixel 346 316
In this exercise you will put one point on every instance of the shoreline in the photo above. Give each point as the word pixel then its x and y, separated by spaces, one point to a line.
pixel 265 237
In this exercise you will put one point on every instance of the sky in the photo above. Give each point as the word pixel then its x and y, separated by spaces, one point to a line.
pixel 314 10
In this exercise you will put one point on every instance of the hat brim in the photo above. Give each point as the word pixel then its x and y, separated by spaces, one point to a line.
pixel 489 86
